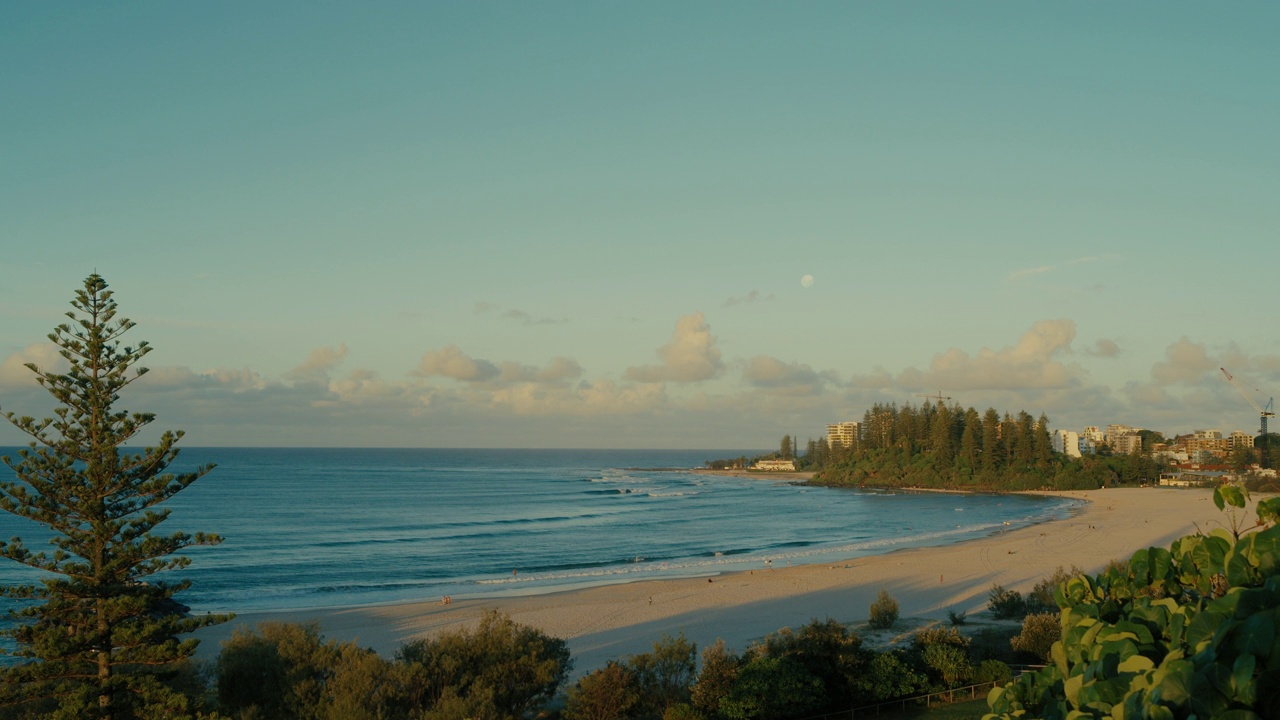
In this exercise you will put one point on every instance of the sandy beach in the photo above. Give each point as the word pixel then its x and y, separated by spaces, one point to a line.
pixel 607 622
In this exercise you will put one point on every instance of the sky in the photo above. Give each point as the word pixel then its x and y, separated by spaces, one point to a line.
pixel 659 224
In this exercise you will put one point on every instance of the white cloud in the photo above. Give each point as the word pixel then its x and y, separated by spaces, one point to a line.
pixel 1028 272
pixel 317 366
pixel 1028 364
pixel 1104 348
pixel 14 372
pixel 1185 363
pixel 452 363
pixel 771 374
pixel 691 355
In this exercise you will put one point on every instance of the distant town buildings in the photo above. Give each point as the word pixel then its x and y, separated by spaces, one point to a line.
pixel 843 434
pixel 1067 442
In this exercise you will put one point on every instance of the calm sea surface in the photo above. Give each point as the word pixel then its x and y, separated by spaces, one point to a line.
pixel 308 528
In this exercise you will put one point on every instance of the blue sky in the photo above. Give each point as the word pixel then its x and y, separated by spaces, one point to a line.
pixel 586 225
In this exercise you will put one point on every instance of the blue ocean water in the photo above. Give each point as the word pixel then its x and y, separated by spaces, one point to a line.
pixel 335 527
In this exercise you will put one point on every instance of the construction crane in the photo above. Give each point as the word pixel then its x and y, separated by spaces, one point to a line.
pixel 939 397
pixel 1264 412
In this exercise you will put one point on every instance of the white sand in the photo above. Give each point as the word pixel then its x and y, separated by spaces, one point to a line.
pixel 608 622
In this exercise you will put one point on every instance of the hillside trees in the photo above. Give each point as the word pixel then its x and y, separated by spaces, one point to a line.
pixel 99 632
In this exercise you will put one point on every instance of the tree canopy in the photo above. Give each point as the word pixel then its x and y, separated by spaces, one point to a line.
pixel 99 633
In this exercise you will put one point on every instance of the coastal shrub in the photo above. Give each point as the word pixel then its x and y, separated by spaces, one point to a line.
pixel 1006 604
pixel 827 650
pixel 682 711
pixel 719 671
pixel 947 663
pixel 940 636
pixel 1039 632
pixel 277 671
pixel 665 675
pixel 1184 632
pixel 773 687
pixel 610 693
pixel 1041 598
pixel 890 675
pixel 883 612
pixel 991 671
pixel 521 665
pixel 956 618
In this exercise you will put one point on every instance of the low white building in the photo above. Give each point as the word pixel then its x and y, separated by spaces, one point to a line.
pixel 776 465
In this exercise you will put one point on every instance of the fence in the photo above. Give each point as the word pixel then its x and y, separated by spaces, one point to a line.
pixel 969 692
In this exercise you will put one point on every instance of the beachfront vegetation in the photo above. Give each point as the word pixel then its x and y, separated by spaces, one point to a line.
pixel 98 635
pixel 883 612
pixel 498 669
pixel 934 445
pixel 1190 631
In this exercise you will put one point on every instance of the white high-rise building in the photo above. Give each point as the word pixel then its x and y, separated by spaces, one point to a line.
pixel 1067 442
pixel 843 434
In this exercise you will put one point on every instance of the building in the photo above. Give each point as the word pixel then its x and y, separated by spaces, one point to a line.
pixel 1127 444
pixel 1115 432
pixel 843 434
pixel 1092 434
pixel 1067 442
pixel 1239 439
pixel 776 465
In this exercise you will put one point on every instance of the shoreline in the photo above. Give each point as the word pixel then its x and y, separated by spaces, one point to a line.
pixel 611 621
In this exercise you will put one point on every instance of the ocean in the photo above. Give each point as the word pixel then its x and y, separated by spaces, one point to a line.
pixel 339 527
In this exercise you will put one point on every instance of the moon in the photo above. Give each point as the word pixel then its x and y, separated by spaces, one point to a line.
pixel 806 281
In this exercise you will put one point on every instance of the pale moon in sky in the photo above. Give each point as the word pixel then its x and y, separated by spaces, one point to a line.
pixel 806 281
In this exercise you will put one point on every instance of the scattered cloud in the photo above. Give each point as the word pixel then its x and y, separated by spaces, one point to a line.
pixel 1028 364
pixel 750 298
pixel 691 356
pixel 1185 363
pixel 318 364
pixel 14 372
pixel 482 307
pixel 1104 348
pixel 452 363
pixel 771 374
pixel 1028 272
pixel 525 318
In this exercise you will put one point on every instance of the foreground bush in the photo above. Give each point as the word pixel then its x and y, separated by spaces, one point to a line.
pixel 1178 633
pixel 497 670
pixel 1006 604
pixel 1039 632
pixel 884 612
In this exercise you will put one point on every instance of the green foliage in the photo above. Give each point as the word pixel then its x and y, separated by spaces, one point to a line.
pixel 991 671
pixel 1184 632
pixel 827 651
pixel 522 666
pixel 1039 632
pixel 948 663
pixel 957 618
pixel 682 711
pixel 101 629
pixel 890 675
pixel 716 678
pixel 497 670
pixel 1041 597
pixel 883 612
pixel 1005 604
pixel 665 675
pixel 773 687
pixel 610 693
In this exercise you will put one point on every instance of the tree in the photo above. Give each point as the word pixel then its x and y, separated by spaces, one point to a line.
pixel 98 632
pixel 610 693
pixel 521 666
pixel 786 450
pixel 883 612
